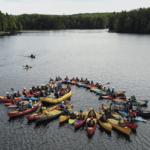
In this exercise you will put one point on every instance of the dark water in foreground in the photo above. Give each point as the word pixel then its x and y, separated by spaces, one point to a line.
pixel 121 59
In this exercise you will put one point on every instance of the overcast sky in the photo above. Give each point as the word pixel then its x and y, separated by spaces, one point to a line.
pixel 60 7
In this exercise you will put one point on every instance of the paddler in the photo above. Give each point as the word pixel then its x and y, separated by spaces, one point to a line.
pixel 113 90
pixel 18 94
pixel 139 108
pixel 24 92
pixel 81 116
pixel 92 113
pixel 86 81
pixel 91 122
pixel 31 92
pixel 8 96
pixel 103 117
pixel 77 79
pixel 62 106
pixel 30 104
pixel 73 115
pixel 132 115
pixel 81 80
pixel 66 111
pixel 66 78
pixel 20 106
pixel 15 95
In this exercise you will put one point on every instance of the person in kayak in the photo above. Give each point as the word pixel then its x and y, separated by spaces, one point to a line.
pixel 91 83
pixel 107 112
pixel 139 108
pixel 130 106
pixel 66 111
pixel 81 115
pixel 113 90
pixel 30 91
pixel 92 113
pixel 108 90
pixel 62 106
pixel 24 92
pixel 18 94
pixel 8 96
pixel 86 81
pixel 26 66
pixel 30 104
pixel 91 122
pixel 132 116
pixel 77 79
pixel 119 121
pixel 103 117
pixel 56 94
pixel 105 89
pixel 73 79
pixel 42 94
pixel 15 95
pixel 111 108
pixel 73 115
pixel 20 106
pixel 127 109
pixel 66 78
pixel 81 80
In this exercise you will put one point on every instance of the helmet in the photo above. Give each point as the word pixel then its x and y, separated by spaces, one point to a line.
pixel 15 91
pixel 104 86
pixel 7 92
pixel 91 108
pixel 30 101
pixel 103 113
pixel 62 102
pixel 30 88
pixel 24 88
pixel 113 88
pixel 72 111
pixel 119 117
pixel 91 118
pixel 81 110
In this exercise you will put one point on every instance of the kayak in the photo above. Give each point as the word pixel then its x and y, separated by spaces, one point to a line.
pixel 106 125
pixel 106 97
pixel 82 85
pixel 5 100
pixel 141 102
pixel 50 115
pixel 120 93
pixel 97 91
pixel 123 128
pixel 65 81
pixel 9 104
pixel 136 119
pixel 130 125
pixel 73 82
pixel 79 83
pixel 78 122
pixel 143 113
pixel 89 129
pixel 32 117
pixel 15 106
pixel 19 113
pixel 63 118
pixel 57 100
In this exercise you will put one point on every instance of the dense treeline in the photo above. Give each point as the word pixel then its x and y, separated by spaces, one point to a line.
pixel 135 21
pixel 9 23
pixel 86 21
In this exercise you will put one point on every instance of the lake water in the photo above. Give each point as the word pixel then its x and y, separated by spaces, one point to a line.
pixel 121 59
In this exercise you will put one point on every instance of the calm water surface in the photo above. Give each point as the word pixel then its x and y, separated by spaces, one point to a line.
pixel 121 59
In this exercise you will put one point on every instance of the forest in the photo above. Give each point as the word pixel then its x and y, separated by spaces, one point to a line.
pixel 134 21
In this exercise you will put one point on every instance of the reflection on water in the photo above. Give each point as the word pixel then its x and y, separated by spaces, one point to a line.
pixel 121 59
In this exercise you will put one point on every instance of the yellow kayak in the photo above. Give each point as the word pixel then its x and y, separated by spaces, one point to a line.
pixel 123 128
pixel 105 125
pixel 57 100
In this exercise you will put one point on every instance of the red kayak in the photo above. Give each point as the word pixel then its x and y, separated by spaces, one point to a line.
pixel 89 129
pixel 5 100
pixel 19 113
pixel 73 82
pixel 9 104
pixel 131 125
pixel 79 83
pixel 79 123
pixel 106 97
pixel 32 117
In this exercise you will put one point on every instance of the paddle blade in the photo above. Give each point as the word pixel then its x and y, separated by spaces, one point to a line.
pixel 108 83
pixel 12 89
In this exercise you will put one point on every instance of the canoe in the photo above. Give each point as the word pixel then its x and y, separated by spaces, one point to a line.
pixel 5 100
pixel 123 128
pixel 58 100
pixel 91 130
pixel 19 113
pixel 106 125
pixel 143 113
pixel 32 117
pixel 78 122
pixel 50 115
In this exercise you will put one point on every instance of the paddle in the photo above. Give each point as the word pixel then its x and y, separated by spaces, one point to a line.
pixel 106 83
pixel 28 67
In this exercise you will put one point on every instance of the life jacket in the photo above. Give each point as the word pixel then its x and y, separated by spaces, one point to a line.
pixel 81 115
pixel 104 118
pixel 133 114
pixel 91 114
pixel 24 91
pixel 8 96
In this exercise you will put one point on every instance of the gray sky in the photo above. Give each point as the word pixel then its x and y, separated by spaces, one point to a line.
pixel 60 7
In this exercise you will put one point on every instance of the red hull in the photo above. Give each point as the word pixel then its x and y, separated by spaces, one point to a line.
pixel 79 124
pixel 90 132
pixel 9 100
pixel 23 112
pixel 8 104
pixel 131 125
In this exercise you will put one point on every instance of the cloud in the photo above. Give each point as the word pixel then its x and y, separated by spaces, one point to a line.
pixel 68 6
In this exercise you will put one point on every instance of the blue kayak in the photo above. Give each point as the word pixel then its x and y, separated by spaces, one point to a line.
pixel 82 85
pixel 97 91
pixel 31 98
pixel 136 119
